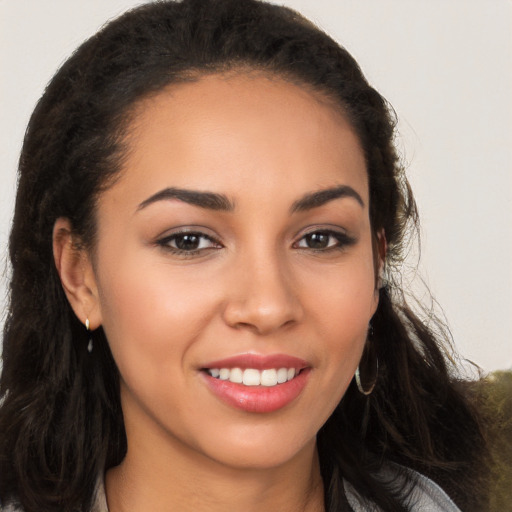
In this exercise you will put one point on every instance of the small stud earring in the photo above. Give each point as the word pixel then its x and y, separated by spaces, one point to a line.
pixel 90 344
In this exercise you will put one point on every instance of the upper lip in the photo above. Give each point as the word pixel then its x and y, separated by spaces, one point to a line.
pixel 259 362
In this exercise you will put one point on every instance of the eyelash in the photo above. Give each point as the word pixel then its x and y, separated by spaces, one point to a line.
pixel 341 241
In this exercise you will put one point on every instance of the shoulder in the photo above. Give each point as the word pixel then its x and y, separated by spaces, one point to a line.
pixel 100 499
pixel 10 507
pixel 424 496
pixel 429 497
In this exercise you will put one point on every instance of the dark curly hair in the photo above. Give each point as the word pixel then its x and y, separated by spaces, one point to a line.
pixel 61 422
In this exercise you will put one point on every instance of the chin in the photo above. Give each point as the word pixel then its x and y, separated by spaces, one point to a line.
pixel 262 452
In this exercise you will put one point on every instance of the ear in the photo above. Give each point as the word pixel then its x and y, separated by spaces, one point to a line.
pixel 76 274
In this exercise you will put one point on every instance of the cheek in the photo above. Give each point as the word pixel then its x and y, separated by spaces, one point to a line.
pixel 345 295
pixel 343 312
pixel 150 315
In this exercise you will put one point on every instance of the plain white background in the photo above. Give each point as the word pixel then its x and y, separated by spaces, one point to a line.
pixel 445 65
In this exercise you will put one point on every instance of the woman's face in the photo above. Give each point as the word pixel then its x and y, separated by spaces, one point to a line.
pixel 236 246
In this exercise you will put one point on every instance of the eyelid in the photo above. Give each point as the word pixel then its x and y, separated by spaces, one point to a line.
pixel 188 229
pixel 324 228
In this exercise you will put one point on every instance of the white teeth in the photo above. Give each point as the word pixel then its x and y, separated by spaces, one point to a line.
pixel 252 377
pixel 282 375
pixel 236 375
pixel 269 378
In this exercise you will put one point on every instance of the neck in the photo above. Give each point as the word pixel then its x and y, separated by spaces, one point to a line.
pixel 147 481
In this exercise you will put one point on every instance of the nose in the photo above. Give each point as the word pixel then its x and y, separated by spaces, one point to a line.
pixel 263 297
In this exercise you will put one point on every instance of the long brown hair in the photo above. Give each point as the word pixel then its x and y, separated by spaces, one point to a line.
pixel 60 417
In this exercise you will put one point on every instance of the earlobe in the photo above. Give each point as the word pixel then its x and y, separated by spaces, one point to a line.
pixel 76 274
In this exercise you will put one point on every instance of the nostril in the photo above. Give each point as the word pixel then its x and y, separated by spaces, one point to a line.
pixel 261 320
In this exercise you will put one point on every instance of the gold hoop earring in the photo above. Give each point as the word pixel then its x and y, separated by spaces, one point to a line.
pixel 357 375
pixel 368 353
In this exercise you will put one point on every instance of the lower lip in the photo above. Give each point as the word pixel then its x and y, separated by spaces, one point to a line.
pixel 259 399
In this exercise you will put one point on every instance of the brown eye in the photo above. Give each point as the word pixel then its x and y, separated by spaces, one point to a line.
pixel 318 240
pixel 324 241
pixel 188 242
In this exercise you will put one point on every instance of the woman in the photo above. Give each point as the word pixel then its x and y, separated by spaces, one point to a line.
pixel 203 312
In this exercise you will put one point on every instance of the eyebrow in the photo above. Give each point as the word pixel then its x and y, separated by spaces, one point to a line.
pixel 220 202
pixel 321 197
pixel 207 200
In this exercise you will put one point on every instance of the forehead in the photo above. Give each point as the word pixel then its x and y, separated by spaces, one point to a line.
pixel 242 132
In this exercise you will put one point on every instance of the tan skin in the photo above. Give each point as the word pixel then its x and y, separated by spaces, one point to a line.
pixel 273 273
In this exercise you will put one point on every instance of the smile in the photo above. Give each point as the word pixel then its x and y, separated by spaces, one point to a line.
pixel 254 377
pixel 257 383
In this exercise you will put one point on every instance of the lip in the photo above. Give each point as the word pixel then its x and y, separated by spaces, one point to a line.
pixel 258 399
pixel 259 362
